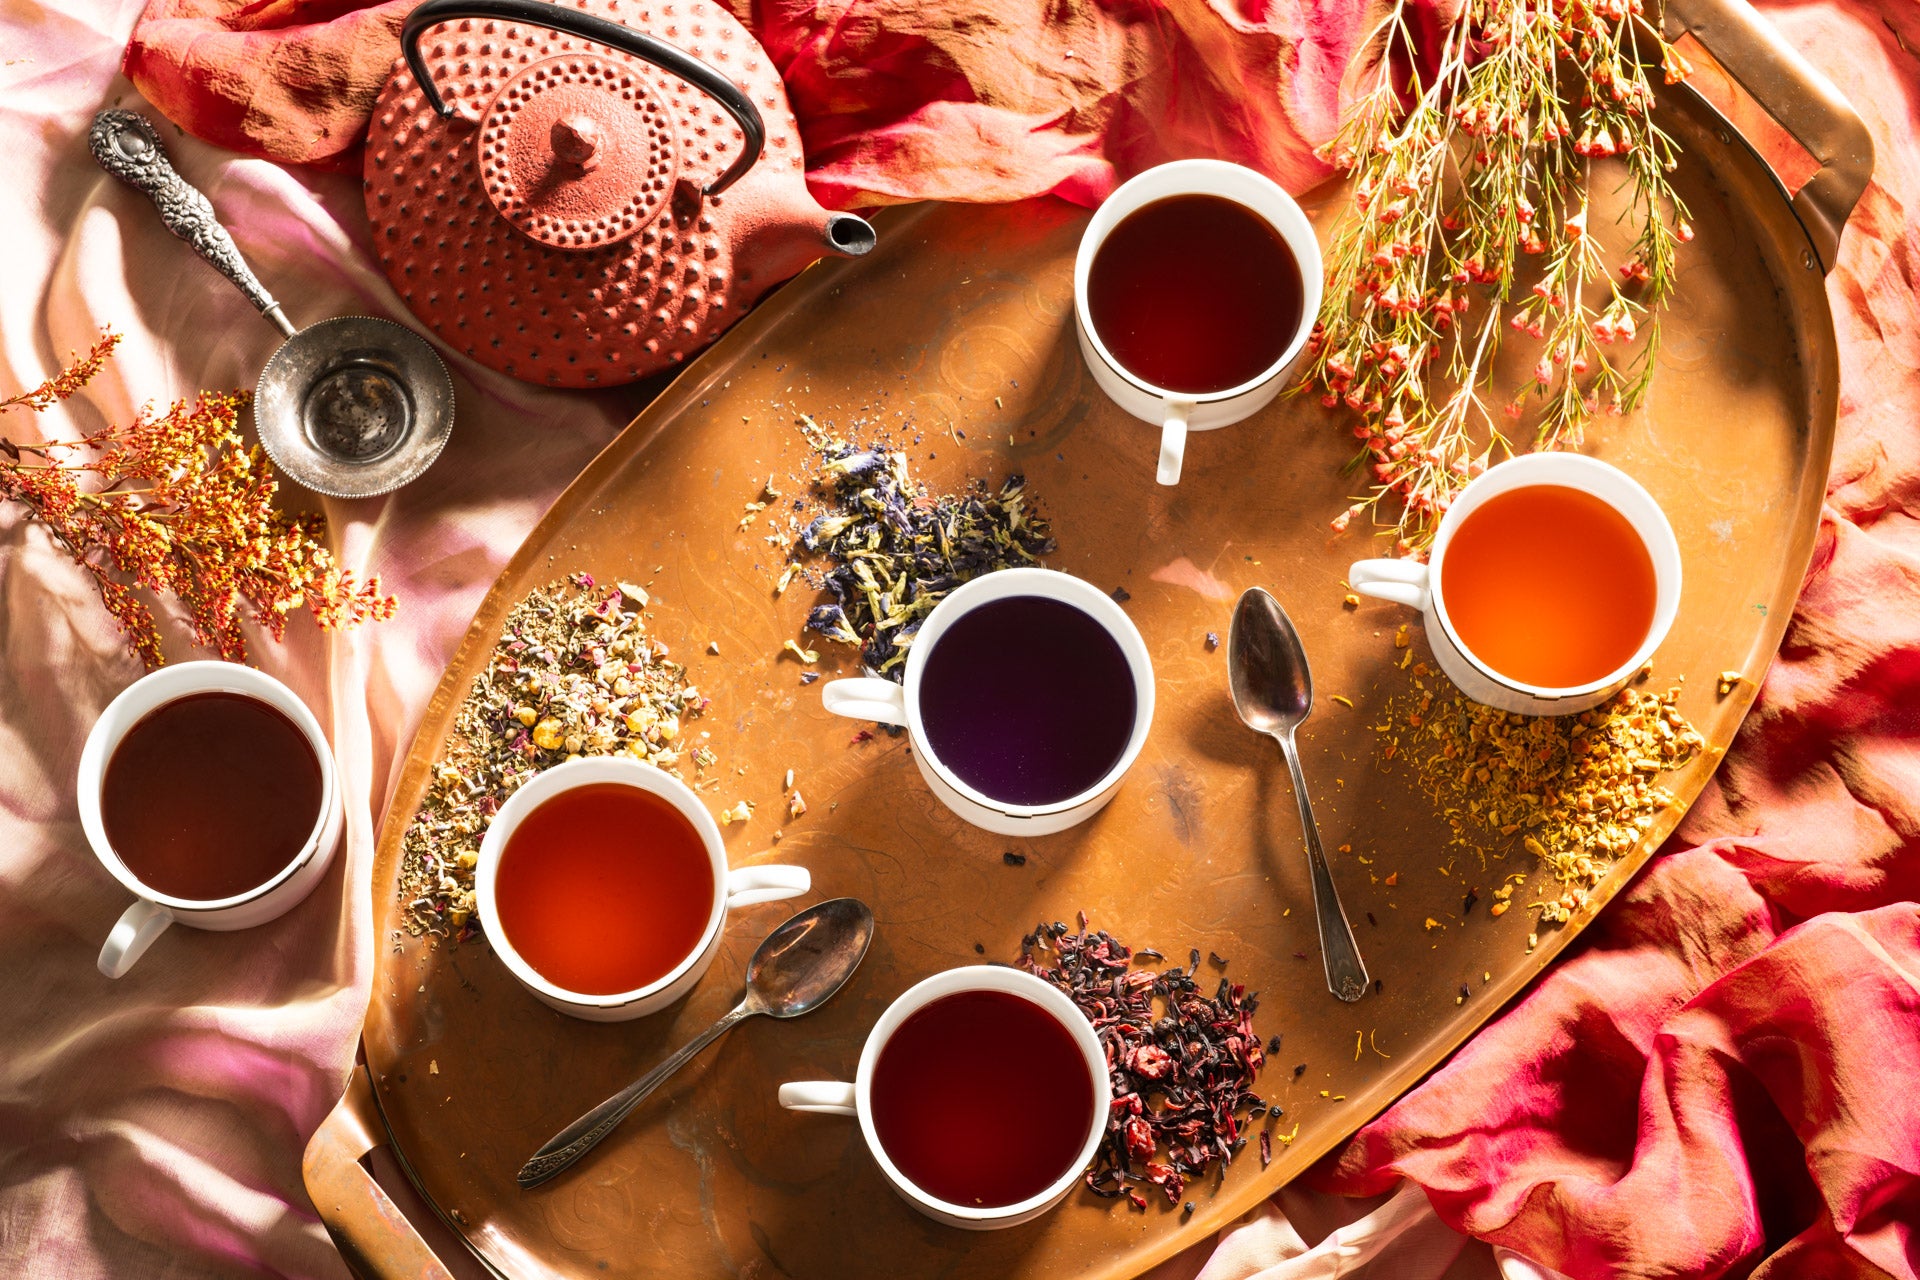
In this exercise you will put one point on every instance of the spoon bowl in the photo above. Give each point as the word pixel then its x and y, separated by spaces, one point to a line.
pixel 1273 692
pixel 803 962
pixel 1267 666
pixel 795 971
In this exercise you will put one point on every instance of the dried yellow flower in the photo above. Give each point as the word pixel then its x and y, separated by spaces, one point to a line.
pixel 1579 792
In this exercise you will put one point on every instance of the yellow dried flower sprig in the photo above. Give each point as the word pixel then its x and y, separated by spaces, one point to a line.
pixel 174 504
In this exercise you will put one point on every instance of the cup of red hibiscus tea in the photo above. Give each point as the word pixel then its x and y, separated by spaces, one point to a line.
pixel 1552 579
pixel 982 1093
pixel 1027 696
pixel 604 888
pixel 1194 291
pixel 208 790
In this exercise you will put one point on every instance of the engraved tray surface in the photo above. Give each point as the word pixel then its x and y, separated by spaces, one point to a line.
pixel 962 319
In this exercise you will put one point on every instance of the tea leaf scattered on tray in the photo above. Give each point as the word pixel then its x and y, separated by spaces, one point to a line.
pixel 1183 1064
pixel 1577 792
pixel 893 551
pixel 574 673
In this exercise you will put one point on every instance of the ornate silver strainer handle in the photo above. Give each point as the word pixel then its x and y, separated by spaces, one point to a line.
pixel 128 147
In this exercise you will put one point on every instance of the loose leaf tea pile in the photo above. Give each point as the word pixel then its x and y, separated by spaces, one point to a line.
pixel 894 551
pixel 1182 1064
pixel 1577 791
pixel 574 674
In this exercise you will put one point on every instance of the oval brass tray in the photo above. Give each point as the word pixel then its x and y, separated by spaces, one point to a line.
pixel 958 327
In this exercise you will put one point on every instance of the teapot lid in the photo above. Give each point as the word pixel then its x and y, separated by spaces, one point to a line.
pixel 577 151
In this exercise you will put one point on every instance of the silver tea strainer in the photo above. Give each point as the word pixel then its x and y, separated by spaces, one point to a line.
pixel 349 407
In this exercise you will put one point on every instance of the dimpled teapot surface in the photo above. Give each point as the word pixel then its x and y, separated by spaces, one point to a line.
pixel 581 194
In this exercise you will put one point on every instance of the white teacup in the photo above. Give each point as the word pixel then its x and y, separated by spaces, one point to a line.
pixel 740 888
pixel 1179 412
pixel 153 911
pixel 833 1097
pixel 872 698
pixel 1418 585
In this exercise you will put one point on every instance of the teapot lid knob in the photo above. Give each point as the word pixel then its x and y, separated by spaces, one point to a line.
pixel 576 141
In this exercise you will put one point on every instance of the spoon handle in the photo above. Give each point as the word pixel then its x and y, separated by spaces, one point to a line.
pixel 1346 973
pixel 584 1134
pixel 126 145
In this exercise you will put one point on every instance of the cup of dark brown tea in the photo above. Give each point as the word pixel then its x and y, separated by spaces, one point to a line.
pixel 1027 696
pixel 982 1093
pixel 604 888
pixel 1194 291
pixel 208 790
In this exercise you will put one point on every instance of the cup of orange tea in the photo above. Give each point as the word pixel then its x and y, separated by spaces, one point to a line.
pixel 604 887
pixel 1552 580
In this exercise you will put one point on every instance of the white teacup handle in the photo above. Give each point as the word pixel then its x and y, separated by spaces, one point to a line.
pixel 748 885
pixel 822 1097
pixel 1173 441
pixel 866 698
pixel 1401 581
pixel 132 934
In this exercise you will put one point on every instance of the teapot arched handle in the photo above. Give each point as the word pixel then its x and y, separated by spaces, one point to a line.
pixel 615 35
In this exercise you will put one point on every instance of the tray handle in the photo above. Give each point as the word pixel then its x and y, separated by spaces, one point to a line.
pixel 1800 99
pixel 375 1236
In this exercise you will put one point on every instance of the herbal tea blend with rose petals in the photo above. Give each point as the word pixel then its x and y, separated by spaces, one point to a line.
pixel 574 673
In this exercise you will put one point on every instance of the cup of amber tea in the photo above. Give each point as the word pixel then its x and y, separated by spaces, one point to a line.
pixel 1194 291
pixel 982 1093
pixel 604 887
pixel 1027 696
pixel 1553 578
pixel 208 790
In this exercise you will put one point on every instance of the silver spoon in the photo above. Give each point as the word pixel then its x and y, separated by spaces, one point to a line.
pixel 1273 692
pixel 795 971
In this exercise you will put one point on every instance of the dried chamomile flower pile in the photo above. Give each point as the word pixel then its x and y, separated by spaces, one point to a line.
pixel 893 551
pixel 1576 791
pixel 574 674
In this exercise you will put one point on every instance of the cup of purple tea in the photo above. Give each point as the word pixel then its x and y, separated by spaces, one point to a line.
pixel 1027 696
pixel 982 1093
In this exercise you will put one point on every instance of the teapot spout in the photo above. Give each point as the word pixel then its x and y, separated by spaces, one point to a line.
pixel 848 235
pixel 785 239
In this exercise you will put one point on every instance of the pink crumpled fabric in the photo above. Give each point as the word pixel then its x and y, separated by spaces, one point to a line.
pixel 1722 1080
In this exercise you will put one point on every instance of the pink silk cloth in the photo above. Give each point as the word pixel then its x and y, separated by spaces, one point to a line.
pixel 1723 1080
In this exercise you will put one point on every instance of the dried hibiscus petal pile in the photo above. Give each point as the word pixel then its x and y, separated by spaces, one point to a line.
pixel 1183 1064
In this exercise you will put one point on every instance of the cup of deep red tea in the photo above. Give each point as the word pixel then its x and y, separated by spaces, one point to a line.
pixel 1194 291
pixel 982 1093
pixel 1027 696
pixel 208 790
pixel 604 888
pixel 1553 578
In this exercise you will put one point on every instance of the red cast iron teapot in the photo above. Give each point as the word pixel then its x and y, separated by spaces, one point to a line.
pixel 571 199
